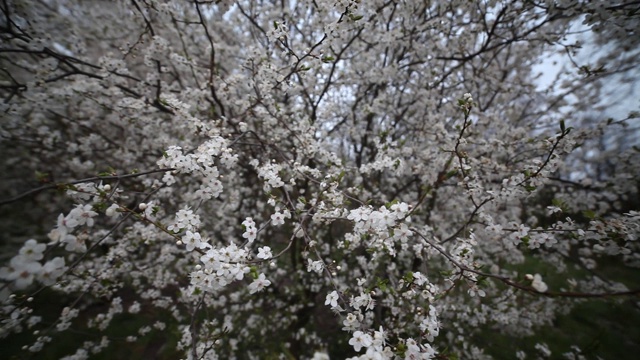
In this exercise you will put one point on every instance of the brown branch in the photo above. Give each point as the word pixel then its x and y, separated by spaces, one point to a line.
pixel 212 61
pixel 508 281
pixel 95 178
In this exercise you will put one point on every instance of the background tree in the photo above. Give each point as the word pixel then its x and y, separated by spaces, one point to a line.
pixel 259 178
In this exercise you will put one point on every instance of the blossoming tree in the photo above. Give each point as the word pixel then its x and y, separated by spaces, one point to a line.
pixel 252 179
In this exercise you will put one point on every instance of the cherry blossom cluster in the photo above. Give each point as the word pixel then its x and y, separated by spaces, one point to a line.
pixel 26 267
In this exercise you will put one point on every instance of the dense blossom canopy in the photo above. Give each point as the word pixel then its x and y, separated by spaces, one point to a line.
pixel 259 179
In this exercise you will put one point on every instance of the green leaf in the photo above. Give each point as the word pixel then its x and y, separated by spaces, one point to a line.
pixel 43 177
pixel 327 59
pixel 382 284
pixel 100 206
pixel 446 272
pixel 389 204
pixel 408 277
pixel 589 214
pixel 401 349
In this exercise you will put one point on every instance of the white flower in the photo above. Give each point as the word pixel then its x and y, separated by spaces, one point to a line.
pixel 332 299
pixel 278 217
pixel 264 252
pixel 134 308
pixel 67 222
pixel 185 219
pixel 21 270
pixel 258 284
pixel 544 349
pixel 112 211
pixel 320 356
pixel 364 299
pixel 537 283
pixel 194 240
pixel 474 290
pixel 553 209
pixel 316 266
pixel 413 350
pixel 379 338
pixel 82 214
pixel 248 222
pixel 360 340
pixel 31 250
pixel 51 270
pixel 401 209
pixel 250 234
pixel 250 230
pixel 350 322
pixel 359 214
pixel 75 243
